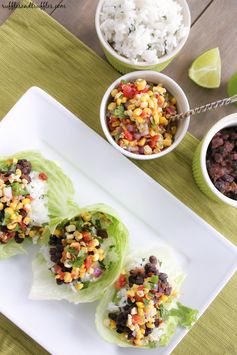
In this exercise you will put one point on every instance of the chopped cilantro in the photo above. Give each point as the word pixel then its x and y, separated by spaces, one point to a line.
pixel 18 190
pixel 119 111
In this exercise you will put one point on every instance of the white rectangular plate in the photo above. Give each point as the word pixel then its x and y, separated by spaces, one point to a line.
pixel 152 215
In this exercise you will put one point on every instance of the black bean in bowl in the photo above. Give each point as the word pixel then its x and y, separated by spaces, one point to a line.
pixel 221 161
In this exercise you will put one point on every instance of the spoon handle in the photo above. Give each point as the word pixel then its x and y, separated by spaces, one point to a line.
pixel 204 108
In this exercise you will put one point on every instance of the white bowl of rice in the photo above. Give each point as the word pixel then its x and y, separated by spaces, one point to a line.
pixel 142 34
pixel 170 87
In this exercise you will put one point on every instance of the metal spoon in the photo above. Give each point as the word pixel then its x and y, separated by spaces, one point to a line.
pixel 204 108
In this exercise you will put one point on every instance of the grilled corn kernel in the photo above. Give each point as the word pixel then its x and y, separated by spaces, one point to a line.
pixel 67 277
pixel 118 101
pixel 18 172
pixel 150 325
pixel 112 106
pixel 57 232
pixel 13 205
pixel 26 220
pixel 14 161
pixel 142 330
pixel 131 107
pixel 174 101
pixel 70 228
pixel 144 104
pixel 164 298
pixel 9 210
pixel 137 112
pixel 141 142
pixel 86 216
pixel 147 150
pixel 140 84
pixel 151 103
pixel 156 118
pixel 3 199
pixel 78 236
pixel 1 206
pixel 114 92
pixel 32 234
pixel 19 206
pixel 101 257
pixel 167 142
pixel 11 226
pixel 82 273
pixel 139 119
pixel 130 293
pixel 112 324
pixel 95 257
pixel 140 304
pixel 95 242
pixel 79 286
pixel 147 111
pixel 140 311
pixel 163 121
pixel 26 201
pixel 124 100
pixel 13 217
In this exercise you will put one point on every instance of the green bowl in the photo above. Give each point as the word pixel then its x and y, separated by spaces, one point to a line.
pixel 199 168
pixel 124 65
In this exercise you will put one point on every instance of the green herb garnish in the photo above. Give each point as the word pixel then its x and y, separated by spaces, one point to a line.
pixel 18 190
pixel 119 111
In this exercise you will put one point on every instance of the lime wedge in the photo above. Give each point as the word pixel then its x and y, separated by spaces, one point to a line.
pixel 232 86
pixel 206 69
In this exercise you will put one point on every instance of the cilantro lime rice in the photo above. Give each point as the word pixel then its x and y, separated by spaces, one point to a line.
pixel 142 30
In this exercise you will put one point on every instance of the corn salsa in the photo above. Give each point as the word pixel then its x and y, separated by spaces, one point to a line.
pixel 138 117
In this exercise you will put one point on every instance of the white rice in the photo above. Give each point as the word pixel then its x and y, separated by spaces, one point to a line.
pixel 142 30
pixel 39 205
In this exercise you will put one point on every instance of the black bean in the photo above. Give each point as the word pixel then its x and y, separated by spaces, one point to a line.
pixel 18 240
pixel 59 247
pixel 52 251
pixel 119 330
pixel 157 323
pixel 168 291
pixel 59 282
pixel 163 276
pixel 53 258
pixel 102 233
pixel 122 318
pixel 153 259
pixel 113 316
pixel 148 331
pixel 23 213
pixel 58 254
pixel 130 335
pixel 150 269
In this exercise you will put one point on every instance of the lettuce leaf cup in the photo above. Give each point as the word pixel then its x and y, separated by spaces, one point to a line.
pixel 141 309
pixel 83 255
pixel 33 191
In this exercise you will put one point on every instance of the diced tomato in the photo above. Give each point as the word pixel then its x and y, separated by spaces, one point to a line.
pixel 154 141
pixel 86 236
pixel 140 287
pixel 57 269
pixel 43 176
pixel 22 226
pixel 144 90
pixel 11 235
pixel 128 135
pixel 30 197
pixel 62 276
pixel 129 90
pixel 136 319
pixel 121 281
pixel 88 262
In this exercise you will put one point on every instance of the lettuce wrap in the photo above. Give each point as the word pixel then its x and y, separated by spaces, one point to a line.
pixel 33 192
pixel 82 256
pixel 142 309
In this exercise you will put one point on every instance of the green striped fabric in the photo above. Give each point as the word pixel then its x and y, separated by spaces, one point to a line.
pixel 37 51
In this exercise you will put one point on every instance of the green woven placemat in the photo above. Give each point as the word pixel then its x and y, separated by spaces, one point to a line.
pixel 36 51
